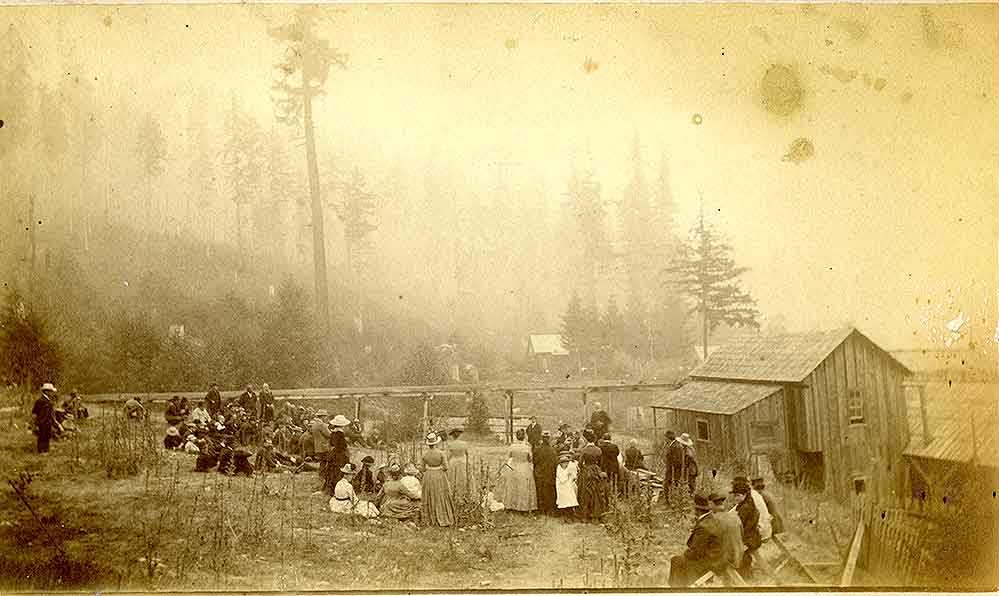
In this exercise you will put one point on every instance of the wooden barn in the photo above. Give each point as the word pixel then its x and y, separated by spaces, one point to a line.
pixel 952 441
pixel 828 406
pixel 546 354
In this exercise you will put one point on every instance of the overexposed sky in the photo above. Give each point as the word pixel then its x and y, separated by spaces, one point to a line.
pixel 898 204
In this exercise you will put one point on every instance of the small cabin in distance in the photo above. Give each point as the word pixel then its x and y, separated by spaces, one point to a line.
pixel 546 355
pixel 828 405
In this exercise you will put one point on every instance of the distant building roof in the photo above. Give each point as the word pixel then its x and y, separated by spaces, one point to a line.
pixel 950 408
pixel 547 344
pixel 775 358
pixel 715 397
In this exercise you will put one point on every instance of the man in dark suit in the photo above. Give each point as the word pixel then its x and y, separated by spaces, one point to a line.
pixel 545 461
pixel 776 522
pixel 599 420
pixel 534 433
pixel 43 416
pixel 608 460
pixel 749 515
pixel 704 548
pixel 213 400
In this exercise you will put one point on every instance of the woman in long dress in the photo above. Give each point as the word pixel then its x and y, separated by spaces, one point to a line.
pixel 593 489
pixel 515 488
pixel 438 507
pixel 339 454
pixel 398 499
pixel 565 485
pixel 457 464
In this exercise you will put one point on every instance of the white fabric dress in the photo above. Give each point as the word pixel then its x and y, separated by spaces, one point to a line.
pixel 565 485
pixel 344 500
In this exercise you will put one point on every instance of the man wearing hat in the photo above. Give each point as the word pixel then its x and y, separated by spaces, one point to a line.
pixel 599 420
pixel 749 517
pixel 43 416
pixel 213 400
pixel 545 461
pixel 533 431
pixel 704 548
pixel 319 429
pixel 248 400
pixel 266 402
pixel 731 527
pixel 339 452
pixel 688 466
pixel 172 440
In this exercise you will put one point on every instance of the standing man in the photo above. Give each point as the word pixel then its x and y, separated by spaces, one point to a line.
pixel 599 420
pixel 266 404
pixel 704 548
pixel 43 416
pixel 545 461
pixel 248 401
pixel 608 460
pixel 534 433
pixel 213 400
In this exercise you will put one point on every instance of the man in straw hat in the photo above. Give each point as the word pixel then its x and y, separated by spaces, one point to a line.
pixel 339 453
pixel 43 417
pixel 704 548
pixel 688 468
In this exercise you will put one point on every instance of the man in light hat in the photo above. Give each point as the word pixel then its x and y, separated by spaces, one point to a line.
pixel 704 548
pixel 689 470
pixel 43 417
pixel 172 440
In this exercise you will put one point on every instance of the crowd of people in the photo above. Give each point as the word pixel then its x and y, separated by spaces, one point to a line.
pixel 571 473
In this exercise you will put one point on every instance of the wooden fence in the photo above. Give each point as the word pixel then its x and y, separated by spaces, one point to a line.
pixel 899 547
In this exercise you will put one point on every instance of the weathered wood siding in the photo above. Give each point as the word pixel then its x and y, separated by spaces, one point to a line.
pixel 870 450
pixel 730 438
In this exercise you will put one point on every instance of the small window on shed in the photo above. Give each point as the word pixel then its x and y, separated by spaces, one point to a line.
pixel 859 485
pixel 855 406
pixel 702 430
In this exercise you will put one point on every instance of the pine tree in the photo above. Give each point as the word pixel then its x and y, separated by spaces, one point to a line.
pixel 614 334
pixel 289 333
pixel 587 209
pixel 302 74
pixel 705 272
pixel 477 416
pixel 151 151
pixel 28 355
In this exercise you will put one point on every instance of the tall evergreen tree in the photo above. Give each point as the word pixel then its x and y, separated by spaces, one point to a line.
pixel 28 355
pixel 705 272
pixel 151 151
pixel 242 160
pixel 589 214
pixel 300 77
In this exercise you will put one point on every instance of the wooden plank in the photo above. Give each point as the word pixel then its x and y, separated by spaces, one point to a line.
pixel 733 578
pixel 851 561
pixel 703 580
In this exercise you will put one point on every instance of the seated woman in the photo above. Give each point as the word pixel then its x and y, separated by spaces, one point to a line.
pixel 364 480
pixel 398 500
pixel 344 499
pixel 172 440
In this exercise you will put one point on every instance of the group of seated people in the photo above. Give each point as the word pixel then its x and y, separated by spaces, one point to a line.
pixel 727 532
pixel 393 491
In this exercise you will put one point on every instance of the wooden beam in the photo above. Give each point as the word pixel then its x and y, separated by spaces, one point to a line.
pixel 846 579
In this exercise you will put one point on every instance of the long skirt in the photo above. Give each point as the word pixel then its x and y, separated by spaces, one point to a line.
pixel 515 488
pixel 593 492
pixel 326 469
pixel 437 505
pixel 457 476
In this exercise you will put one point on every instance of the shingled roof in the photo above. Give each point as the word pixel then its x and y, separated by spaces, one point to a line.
pixel 547 344
pixel 715 397
pixel 950 409
pixel 771 358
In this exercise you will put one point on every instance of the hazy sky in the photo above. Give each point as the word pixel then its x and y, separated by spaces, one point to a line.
pixel 898 204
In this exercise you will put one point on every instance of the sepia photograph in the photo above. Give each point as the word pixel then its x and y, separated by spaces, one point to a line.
pixel 467 297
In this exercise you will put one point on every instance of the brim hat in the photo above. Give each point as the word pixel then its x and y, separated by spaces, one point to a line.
pixel 740 485
pixel 322 413
pixel 340 420
pixel 433 439
pixel 701 503
pixel 173 432
pixel 564 457
pixel 348 468
pixel 716 497
pixel 685 440
pixel 368 460
pixel 49 387
pixel 243 452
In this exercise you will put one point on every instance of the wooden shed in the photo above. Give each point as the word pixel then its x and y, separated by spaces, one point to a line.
pixel 832 401
pixel 952 440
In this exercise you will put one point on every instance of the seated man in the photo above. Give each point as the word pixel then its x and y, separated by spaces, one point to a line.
pixel 731 530
pixel 704 548
pixel 173 440
pixel 200 413
pixel 749 515
pixel 173 414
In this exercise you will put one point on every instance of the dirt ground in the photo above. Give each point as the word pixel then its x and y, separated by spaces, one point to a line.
pixel 170 528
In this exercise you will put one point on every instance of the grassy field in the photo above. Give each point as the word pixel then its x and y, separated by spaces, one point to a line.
pixel 166 527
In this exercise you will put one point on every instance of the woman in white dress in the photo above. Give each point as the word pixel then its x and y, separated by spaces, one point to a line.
pixel 344 499
pixel 566 473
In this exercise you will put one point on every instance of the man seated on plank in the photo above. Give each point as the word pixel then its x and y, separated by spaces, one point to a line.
pixel 704 548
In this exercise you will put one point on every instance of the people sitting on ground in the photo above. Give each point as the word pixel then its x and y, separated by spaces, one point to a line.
pixel 774 524
pixel 173 440
pixel 399 500
pixel 633 458
pixel 704 548
pixel 599 420
pixel 352 432
pixel 345 499
pixel 134 409
pixel 565 485
pixel 172 413
pixel 749 516
pixel 731 530
pixel 74 406
pixel 364 479
pixel 185 407
pixel 191 444
pixel 200 413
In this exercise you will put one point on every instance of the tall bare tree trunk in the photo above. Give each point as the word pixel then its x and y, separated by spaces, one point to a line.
pixel 318 228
